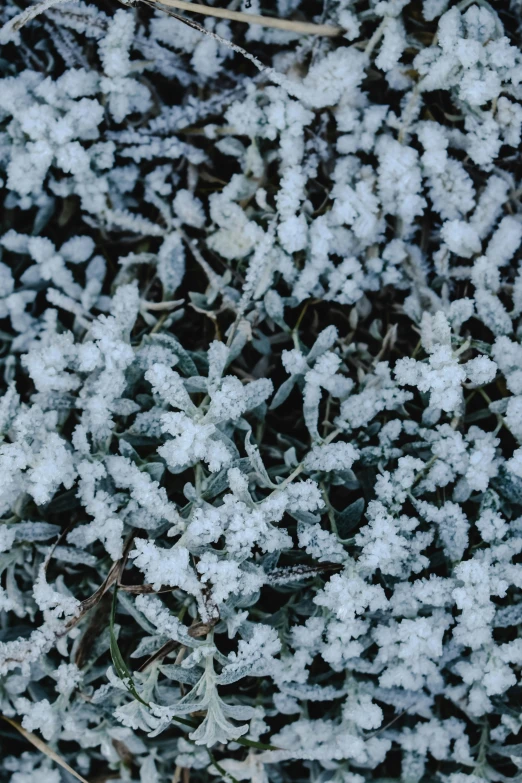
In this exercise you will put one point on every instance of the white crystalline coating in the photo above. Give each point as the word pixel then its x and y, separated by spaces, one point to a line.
pixel 514 465
pixel 165 567
pixel 39 716
pixel 320 544
pixel 192 441
pixel 7 536
pixel 332 456
pixel 169 386
pixel 143 490
pixel 333 79
pixel 443 375
pixel 481 370
pixel 189 209
pixel 461 238
pixel 256 654
pixel 52 601
pixel 261 393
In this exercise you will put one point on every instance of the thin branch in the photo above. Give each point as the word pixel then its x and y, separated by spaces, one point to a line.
pixel 113 576
pixel 17 22
pixel 305 28
pixel 163 651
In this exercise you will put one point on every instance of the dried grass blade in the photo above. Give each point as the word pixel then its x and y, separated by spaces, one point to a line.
pixel 44 748
pixel 293 26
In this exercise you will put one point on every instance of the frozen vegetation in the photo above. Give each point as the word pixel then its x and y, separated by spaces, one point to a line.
pixel 261 394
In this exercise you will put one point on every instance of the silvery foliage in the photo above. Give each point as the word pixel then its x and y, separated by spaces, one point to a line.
pixel 319 574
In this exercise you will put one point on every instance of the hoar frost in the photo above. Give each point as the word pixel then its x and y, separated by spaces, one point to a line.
pixel 261 404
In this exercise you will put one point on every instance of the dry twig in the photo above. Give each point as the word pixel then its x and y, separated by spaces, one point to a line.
pixel 290 25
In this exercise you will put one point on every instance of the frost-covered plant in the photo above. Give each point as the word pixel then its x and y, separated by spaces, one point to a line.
pixel 260 416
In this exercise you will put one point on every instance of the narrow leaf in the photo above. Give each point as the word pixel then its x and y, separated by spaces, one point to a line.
pixel 349 518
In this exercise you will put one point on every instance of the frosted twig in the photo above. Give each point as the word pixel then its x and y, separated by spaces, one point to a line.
pixel 18 21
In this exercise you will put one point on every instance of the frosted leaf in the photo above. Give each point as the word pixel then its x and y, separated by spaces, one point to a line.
pixel 461 238
pixel 168 385
pixel 163 620
pixel 171 263
pixel 7 536
pixel 254 658
pixel 143 490
pixel 192 441
pixel 216 726
pixel 189 209
pixel 78 249
pixel 164 566
pixel 480 370
pixel 218 355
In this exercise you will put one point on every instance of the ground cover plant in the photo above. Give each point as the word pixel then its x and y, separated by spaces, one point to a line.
pixel 261 405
